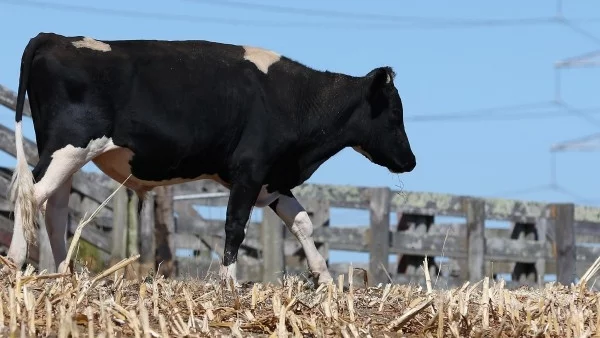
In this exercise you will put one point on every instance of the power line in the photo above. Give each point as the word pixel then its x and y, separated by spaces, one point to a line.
pixel 580 31
pixel 409 22
pixel 427 21
pixel 489 114
pixel 149 15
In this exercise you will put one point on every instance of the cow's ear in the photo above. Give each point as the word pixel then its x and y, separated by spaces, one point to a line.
pixel 378 79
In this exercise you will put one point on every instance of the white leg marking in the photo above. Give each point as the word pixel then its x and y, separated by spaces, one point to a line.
pixel 57 215
pixel 262 58
pixel 229 272
pixel 92 44
pixel 22 195
pixel 297 220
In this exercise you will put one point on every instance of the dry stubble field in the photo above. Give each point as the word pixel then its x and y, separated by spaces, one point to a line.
pixel 110 305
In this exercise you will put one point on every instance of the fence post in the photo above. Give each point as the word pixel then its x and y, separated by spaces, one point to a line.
pixel 119 229
pixel 379 245
pixel 566 260
pixel 147 246
pixel 132 232
pixel 271 235
pixel 542 230
pixel 165 228
pixel 475 210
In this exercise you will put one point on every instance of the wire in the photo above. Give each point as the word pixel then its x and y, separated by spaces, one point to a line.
pixel 149 15
pixel 438 22
pixel 581 31
pixel 413 22
pixel 496 117
pixel 584 114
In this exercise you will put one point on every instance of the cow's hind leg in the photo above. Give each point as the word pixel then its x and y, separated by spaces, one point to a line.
pixel 57 217
pixel 298 222
pixel 53 177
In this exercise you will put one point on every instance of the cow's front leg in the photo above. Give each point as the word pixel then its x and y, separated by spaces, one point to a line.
pixel 241 200
pixel 298 222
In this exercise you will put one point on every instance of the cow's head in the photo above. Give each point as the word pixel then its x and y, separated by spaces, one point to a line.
pixel 383 138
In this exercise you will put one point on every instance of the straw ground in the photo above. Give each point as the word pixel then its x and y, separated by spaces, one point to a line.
pixel 109 304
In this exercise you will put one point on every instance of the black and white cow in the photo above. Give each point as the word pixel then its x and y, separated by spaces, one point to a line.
pixel 168 112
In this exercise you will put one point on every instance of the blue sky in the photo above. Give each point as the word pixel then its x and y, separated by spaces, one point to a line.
pixel 440 70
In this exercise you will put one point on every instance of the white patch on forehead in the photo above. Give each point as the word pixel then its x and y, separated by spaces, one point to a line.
pixel 262 58
pixel 92 44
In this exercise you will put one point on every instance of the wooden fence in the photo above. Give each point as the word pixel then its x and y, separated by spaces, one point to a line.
pixel 544 238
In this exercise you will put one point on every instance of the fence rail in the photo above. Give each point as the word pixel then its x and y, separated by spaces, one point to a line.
pixel 540 242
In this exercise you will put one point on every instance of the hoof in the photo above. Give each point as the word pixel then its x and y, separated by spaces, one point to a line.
pixel 321 278
pixel 65 268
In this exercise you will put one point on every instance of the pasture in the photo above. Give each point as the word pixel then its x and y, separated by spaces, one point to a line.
pixel 110 305
pixel 120 302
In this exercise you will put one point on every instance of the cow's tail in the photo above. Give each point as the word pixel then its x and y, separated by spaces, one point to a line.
pixel 22 183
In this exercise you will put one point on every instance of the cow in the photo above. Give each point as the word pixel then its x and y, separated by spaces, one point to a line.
pixel 155 113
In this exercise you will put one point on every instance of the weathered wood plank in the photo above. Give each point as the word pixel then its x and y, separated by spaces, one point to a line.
pixel 506 267
pixel 526 251
pixel 165 228
pixel 189 241
pixel 147 245
pixel 272 236
pixel 7 144
pixel 411 243
pixel 540 264
pixel 120 224
pixel 565 243
pixel 91 234
pixel 476 247
pixel 379 245
pixel 8 99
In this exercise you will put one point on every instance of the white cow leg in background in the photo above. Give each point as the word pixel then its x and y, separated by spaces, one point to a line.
pixel 298 222
pixel 56 217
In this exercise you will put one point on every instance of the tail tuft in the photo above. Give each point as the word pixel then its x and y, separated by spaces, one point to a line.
pixel 22 193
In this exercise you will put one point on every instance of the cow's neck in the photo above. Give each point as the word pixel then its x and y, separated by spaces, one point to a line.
pixel 329 120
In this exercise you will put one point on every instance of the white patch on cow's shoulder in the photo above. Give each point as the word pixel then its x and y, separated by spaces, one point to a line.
pixel 361 151
pixel 262 58
pixel 92 44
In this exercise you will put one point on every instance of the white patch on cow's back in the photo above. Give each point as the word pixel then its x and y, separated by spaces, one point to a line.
pixel 262 58
pixel 92 44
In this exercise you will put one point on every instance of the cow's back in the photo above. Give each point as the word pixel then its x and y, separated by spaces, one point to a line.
pixel 180 106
